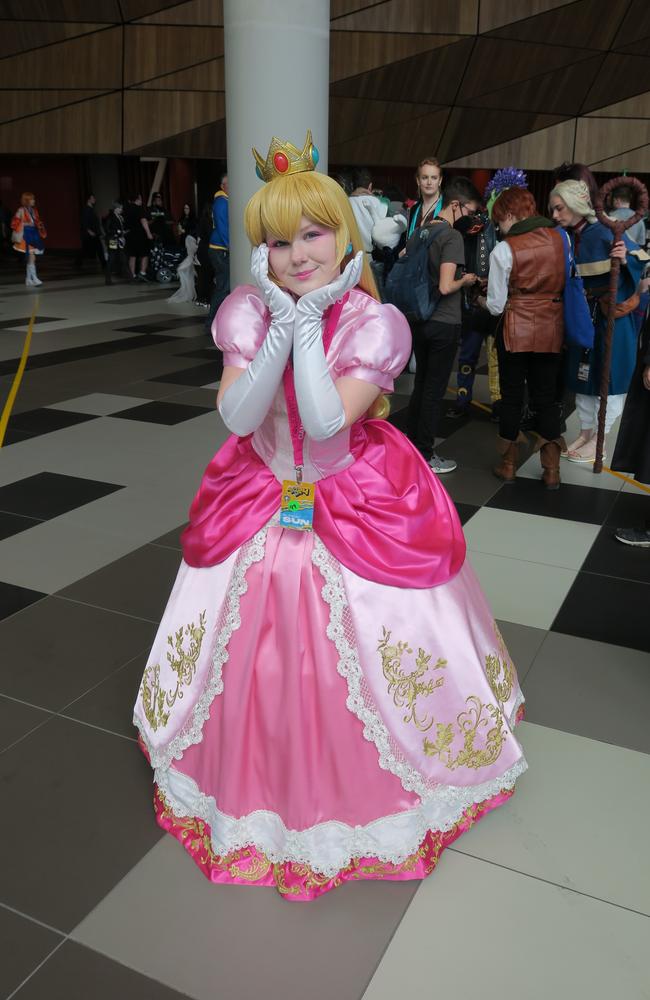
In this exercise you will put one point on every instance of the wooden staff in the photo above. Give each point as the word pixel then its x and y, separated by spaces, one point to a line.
pixel 618 227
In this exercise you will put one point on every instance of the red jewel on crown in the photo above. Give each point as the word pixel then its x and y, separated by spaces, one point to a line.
pixel 281 163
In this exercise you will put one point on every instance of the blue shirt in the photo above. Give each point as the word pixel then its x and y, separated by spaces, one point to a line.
pixel 220 237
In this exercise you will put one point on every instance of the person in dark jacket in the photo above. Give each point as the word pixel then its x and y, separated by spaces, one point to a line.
pixel 525 284
pixel 632 452
pixel 91 244
pixel 115 230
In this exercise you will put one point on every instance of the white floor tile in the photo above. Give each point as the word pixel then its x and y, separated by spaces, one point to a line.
pixel 549 540
pixel 215 942
pixel 579 818
pixel 528 593
pixel 99 403
pixel 474 929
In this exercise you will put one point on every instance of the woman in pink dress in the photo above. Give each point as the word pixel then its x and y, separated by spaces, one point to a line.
pixel 328 697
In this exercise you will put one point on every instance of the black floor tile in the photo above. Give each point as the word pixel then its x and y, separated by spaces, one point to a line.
pixel 24 945
pixel 19 324
pixel 573 503
pixel 82 807
pixel 465 511
pixel 606 609
pixel 163 324
pixel 13 524
pixel 612 558
pixel 45 420
pixel 206 353
pixel 61 649
pixel 15 437
pixel 172 540
pixel 17 719
pixel 200 375
pixel 13 599
pixel 110 704
pixel 630 510
pixel 137 584
pixel 50 358
pixel 49 494
pixel 159 412
pixel 74 972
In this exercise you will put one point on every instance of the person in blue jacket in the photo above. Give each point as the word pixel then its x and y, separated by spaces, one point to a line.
pixel 219 248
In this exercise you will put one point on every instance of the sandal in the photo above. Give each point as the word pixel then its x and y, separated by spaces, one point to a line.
pixel 586 454
pixel 583 438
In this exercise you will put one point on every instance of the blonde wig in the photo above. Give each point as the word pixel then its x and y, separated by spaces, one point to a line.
pixel 575 195
pixel 277 208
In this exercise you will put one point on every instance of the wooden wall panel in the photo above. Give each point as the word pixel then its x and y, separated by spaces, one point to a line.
pixel 444 16
pixel 496 62
pixel 106 11
pixel 589 24
pixel 634 107
pixel 351 118
pixel 405 143
pixel 91 127
pixel 600 138
pixel 542 150
pixel 93 62
pixel 150 116
pixel 207 76
pixel 637 160
pixel 472 129
pixel 354 52
pixel 155 50
pixel 495 13
pixel 16 104
pixel 207 141
pixel 21 36
pixel 208 12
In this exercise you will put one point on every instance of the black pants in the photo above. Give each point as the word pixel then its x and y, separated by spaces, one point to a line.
pixel 91 246
pixel 435 346
pixel 117 265
pixel 540 373
pixel 220 260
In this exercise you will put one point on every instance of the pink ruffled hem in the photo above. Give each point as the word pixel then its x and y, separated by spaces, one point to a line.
pixel 298 882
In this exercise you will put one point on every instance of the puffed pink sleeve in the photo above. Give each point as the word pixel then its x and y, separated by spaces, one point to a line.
pixel 377 346
pixel 240 326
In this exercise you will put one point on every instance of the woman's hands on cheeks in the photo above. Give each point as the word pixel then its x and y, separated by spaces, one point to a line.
pixel 316 302
pixel 279 303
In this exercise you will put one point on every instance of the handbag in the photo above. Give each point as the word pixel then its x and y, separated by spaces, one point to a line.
pixel 578 324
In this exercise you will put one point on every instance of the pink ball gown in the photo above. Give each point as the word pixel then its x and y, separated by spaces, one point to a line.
pixel 336 704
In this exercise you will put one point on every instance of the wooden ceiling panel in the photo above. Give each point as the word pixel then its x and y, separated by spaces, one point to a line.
pixel 499 62
pixel 398 145
pixel 634 107
pixel 495 13
pixel 351 118
pixel 134 9
pixel 636 24
pixel 542 150
pixel 637 160
pixel 106 11
pixel 600 138
pixel 206 142
pixel 354 52
pixel 207 76
pixel 561 92
pixel 430 78
pixel 470 129
pixel 443 16
pixel 207 12
pixel 621 77
pixel 92 62
pixel 91 127
pixel 21 36
pixel 156 50
pixel 21 103
pixel 339 8
pixel 150 115
pixel 589 24
pixel 639 48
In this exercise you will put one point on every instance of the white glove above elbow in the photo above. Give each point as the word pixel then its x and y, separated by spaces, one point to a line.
pixel 246 402
pixel 321 408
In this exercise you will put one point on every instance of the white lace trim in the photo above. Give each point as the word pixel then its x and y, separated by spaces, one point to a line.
pixel 328 847
pixel 229 620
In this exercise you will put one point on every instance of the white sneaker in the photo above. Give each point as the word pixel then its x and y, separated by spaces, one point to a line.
pixel 442 465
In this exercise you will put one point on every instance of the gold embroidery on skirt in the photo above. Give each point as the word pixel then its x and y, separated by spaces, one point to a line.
pixel 469 722
pixel 495 666
pixel 407 688
pixel 156 702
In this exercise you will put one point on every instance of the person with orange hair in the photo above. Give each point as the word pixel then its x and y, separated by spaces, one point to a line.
pixel 525 286
pixel 28 235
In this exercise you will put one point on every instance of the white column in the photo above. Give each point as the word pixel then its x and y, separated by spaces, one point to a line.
pixel 277 83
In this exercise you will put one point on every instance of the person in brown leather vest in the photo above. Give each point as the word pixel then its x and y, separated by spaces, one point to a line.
pixel 525 285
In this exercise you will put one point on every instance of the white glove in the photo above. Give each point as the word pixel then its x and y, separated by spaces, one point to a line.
pixel 246 402
pixel 321 409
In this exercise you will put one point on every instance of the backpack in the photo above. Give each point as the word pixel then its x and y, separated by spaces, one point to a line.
pixel 409 285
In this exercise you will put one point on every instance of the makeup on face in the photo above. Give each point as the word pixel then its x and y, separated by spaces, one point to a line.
pixel 306 262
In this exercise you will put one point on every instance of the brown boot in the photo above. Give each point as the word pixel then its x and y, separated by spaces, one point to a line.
pixel 550 458
pixel 507 467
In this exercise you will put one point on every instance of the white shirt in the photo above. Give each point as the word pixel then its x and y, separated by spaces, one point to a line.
pixel 498 277
pixel 367 211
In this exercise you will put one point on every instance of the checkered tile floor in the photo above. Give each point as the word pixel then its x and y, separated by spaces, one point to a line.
pixel 114 424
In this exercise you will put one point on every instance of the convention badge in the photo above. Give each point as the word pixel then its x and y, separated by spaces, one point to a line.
pixel 297 508
pixel 112 244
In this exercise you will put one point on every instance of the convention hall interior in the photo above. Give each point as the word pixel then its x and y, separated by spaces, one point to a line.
pixel 108 420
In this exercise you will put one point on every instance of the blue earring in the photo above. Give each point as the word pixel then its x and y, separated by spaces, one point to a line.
pixel 348 249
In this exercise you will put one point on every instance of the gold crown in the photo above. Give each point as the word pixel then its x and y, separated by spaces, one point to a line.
pixel 284 158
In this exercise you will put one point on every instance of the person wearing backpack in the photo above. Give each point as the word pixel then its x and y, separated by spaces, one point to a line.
pixel 435 340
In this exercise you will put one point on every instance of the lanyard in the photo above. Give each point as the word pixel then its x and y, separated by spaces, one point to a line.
pixel 436 212
pixel 295 424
